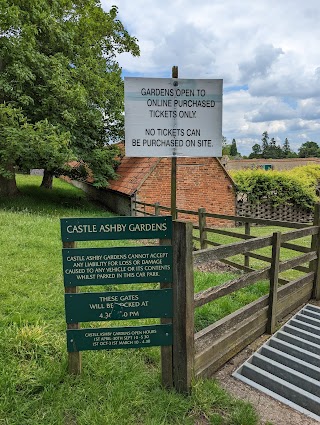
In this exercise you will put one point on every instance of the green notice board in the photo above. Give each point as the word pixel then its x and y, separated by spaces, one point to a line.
pixel 115 228
pixel 112 338
pixel 119 265
pixel 97 266
pixel 126 305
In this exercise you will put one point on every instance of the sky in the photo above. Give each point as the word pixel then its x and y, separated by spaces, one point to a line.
pixel 266 51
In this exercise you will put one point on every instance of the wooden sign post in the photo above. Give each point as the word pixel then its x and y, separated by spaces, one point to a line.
pixel 119 265
pixel 74 358
pixel 183 305
pixel 169 264
pixel 174 167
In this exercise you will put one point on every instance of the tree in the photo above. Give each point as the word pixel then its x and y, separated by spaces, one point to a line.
pixel 233 148
pixel 25 144
pixel 270 149
pixel 58 66
pixel 256 151
pixel 225 146
pixel 286 147
pixel 273 143
pixel 265 144
pixel 274 151
pixel 308 150
pixel 11 135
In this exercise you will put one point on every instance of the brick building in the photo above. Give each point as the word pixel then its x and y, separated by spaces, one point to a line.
pixel 201 183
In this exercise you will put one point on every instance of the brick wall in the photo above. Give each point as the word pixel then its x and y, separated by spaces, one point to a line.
pixel 277 164
pixel 201 183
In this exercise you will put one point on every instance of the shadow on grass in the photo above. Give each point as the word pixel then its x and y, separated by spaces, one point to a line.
pixel 63 197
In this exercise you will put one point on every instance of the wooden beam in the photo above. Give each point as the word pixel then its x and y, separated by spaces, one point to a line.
pixel 166 350
pixel 267 222
pixel 203 297
pixel 274 275
pixel 183 295
pixel 212 357
pixel 301 233
pixel 174 169
pixel 315 245
pixel 74 358
pixel 230 233
pixel 219 342
pixel 286 298
pixel 295 247
pixel 202 228
pixel 294 262
pixel 225 251
pixel 247 234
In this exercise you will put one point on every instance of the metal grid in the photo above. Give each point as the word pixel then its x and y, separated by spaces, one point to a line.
pixel 287 366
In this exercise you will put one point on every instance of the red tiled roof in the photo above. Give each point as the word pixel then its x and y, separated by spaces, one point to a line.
pixel 132 173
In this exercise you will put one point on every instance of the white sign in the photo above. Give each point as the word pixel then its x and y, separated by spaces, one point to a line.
pixel 167 117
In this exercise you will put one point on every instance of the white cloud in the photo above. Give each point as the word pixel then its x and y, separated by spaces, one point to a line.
pixel 260 65
pixel 297 83
pixel 191 49
pixel 266 52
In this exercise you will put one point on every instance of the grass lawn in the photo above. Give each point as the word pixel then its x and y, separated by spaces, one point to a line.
pixel 117 386
pixel 221 307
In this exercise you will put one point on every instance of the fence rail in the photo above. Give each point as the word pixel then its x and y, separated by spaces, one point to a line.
pixel 235 218
pixel 199 219
pixel 221 340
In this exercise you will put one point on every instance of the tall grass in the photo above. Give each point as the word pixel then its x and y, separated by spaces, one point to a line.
pixel 116 386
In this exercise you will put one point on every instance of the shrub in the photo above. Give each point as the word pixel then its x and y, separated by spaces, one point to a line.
pixel 296 186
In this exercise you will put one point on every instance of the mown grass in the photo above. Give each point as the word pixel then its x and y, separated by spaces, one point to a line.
pixel 221 307
pixel 215 310
pixel 117 386
pixel 260 231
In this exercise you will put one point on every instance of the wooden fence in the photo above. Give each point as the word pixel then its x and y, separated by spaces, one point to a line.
pixel 220 341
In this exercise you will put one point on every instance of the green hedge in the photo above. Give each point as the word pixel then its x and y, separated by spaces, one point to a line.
pixel 296 186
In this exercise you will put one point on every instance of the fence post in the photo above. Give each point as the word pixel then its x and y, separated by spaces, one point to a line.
pixel 247 232
pixel 183 304
pixel 202 226
pixel 157 208
pixel 166 350
pixel 74 358
pixel 274 274
pixel 315 246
